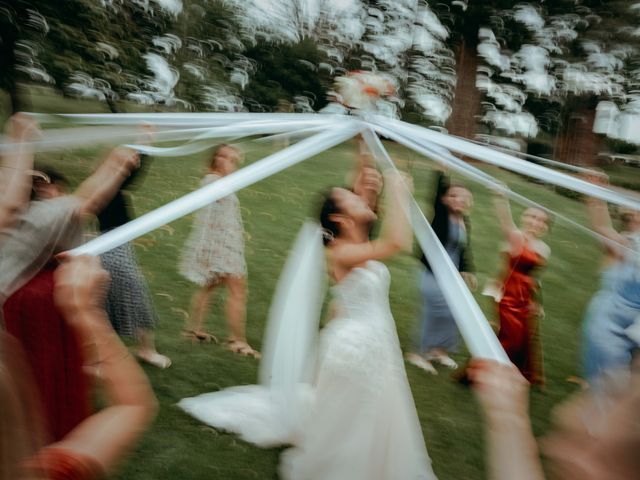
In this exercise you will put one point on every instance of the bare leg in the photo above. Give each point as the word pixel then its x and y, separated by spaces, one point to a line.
pixel 441 356
pixel 236 316
pixel 147 349
pixel 420 362
pixel 436 352
pixel 236 307
pixel 199 309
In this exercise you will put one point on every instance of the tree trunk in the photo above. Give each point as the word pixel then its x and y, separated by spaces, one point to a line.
pixel 113 105
pixel 576 142
pixel 466 100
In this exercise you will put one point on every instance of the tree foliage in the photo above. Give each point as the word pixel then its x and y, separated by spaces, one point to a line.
pixel 533 63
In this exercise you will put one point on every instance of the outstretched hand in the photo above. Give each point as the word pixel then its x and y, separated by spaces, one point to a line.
pixel 370 180
pixel 124 160
pixel 22 127
pixel 80 284
pixel 501 389
pixel 146 134
pixel 500 189
pixel 597 177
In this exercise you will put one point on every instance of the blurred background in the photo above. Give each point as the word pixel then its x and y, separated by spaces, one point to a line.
pixel 556 79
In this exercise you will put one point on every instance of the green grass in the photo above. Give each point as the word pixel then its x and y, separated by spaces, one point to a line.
pixel 179 447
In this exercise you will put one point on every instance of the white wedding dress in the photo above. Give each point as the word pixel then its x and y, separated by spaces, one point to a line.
pixel 356 419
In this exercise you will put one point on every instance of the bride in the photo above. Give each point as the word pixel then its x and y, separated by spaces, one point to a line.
pixel 341 400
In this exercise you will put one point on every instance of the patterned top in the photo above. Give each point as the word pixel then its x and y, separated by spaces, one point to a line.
pixel 215 246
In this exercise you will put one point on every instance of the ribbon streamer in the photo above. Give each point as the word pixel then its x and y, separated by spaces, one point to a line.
pixel 446 158
pixel 175 119
pixel 473 325
pixel 60 139
pixel 201 129
pixel 507 162
pixel 210 137
pixel 548 161
pixel 227 185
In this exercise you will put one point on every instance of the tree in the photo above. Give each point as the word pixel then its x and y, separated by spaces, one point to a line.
pixel 81 47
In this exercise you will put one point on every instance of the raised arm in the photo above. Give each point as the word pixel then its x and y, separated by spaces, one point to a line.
pixel 396 234
pixel 146 136
pixel 367 181
pixel 96 191
pixel 503 393
pixel 510 231
pixel 601 222
pixel 15 180
pixel 109 434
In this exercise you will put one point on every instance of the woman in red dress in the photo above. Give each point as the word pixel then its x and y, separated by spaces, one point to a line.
pixel 31 234
pixel 519 307
pixel 97 444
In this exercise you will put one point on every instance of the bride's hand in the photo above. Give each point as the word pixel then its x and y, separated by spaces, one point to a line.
pixel 397 179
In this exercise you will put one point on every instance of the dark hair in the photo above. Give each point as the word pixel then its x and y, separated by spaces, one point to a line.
pixel 455 185
pixel 328 208
pixel 54 177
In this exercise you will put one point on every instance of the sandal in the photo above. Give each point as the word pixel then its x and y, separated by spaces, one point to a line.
pixel 154 358
pixel 420 362
pixel 581 382
pixel 444 360
pixel 243 348
pixel 199 335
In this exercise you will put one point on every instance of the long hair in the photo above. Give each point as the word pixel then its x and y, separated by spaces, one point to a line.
pixel 328 208
pixel 47 174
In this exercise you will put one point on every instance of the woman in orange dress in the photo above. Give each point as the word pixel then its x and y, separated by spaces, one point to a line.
pixel 519 308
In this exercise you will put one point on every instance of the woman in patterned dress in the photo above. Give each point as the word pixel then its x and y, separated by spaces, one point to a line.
pixel 214 255
pixel 129 302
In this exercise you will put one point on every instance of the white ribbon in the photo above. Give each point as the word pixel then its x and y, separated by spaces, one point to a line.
pixel 548 161
pixel 221 188
pixel 175 119
pixel 507 162
pixel 469 318
pixel 208 138
pixel 200 138
pixel 473 325
pixel 294 121
pixel 443 156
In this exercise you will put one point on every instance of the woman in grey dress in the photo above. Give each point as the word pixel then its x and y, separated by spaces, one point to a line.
pixel 438 334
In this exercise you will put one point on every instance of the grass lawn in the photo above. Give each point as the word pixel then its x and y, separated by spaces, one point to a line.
pixel 178 447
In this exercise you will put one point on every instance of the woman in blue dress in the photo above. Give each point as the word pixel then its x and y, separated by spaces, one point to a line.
pixel 612 318
pixel 438 334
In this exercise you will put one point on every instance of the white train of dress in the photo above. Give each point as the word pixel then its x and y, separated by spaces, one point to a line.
pixel 357 419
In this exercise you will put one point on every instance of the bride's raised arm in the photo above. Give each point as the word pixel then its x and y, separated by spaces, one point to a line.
pixel 396 232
